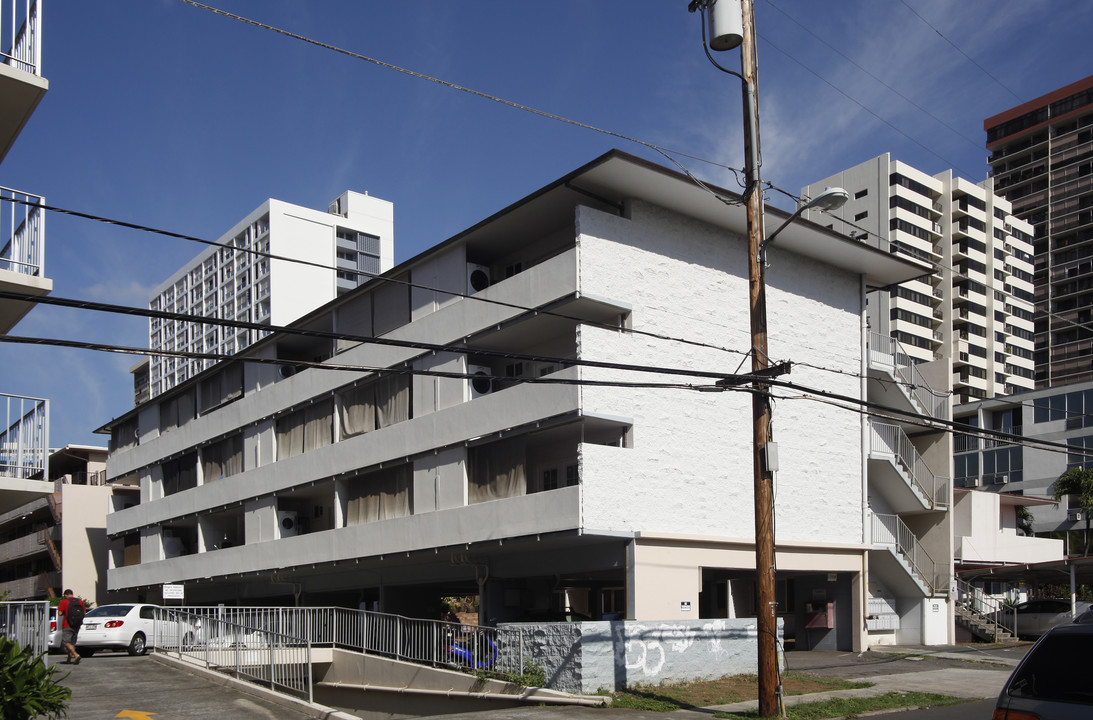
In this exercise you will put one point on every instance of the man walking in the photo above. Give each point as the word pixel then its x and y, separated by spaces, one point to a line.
pixel 71 609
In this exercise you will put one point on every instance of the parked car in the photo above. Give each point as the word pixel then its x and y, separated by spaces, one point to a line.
pixel 54 630
pixel 1036 617
pixel 1052 681
pixel 133 627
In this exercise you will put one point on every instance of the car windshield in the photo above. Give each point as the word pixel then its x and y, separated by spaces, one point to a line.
pixel 110 611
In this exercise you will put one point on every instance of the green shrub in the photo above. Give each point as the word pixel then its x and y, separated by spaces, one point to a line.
pixel 28 688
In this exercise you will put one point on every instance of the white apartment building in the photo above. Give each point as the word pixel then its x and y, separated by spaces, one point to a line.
pixel 489 443
pixel 976 308
pixel 278 263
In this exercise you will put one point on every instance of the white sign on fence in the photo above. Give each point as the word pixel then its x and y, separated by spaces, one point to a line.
pixel 173 592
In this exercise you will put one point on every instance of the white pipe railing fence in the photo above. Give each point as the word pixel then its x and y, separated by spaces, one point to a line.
pixel 273 645
pixel 21 35
pixel 22 224
pixel 988 608
pixel 892 531
pixel 891 439
pixel 27 623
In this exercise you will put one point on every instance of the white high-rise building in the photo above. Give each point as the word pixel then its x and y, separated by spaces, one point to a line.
pixel 976 308
pixel 290 261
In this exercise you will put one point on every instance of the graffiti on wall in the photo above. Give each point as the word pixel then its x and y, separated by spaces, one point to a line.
pixel 648 649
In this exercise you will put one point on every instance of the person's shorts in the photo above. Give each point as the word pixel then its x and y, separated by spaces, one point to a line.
pixel 68 636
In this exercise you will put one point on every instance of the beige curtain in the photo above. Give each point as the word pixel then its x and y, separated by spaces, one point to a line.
pixel 306 429
pixel 357 410
pixel 392 399
pixel 497 471
pixel 222 459
pixel 180 474
pixel 380 495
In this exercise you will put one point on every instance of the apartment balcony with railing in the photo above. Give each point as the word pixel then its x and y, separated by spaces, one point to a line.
pixel 22 253
pixel 21 83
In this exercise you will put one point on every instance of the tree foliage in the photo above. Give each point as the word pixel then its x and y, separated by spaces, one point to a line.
pixel 28 688
pixel 1078 482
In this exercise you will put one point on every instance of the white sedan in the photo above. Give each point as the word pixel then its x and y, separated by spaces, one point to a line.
pixel 131 626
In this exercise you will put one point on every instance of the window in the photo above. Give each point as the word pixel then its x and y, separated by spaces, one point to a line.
pixel 381 495
pixel 222 459
pixel 304 430
pixel 862 215
pixel 221 388
pixel 180 474
pixel 861 193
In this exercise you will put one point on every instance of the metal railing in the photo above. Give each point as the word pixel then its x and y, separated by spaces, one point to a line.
pixel 273 645
pixel 27 623
pixel 992 611
pixel 887 351
pixel 890 530
pixel 22 222
pixel 24 436
pixel 891 440
pixel 21 34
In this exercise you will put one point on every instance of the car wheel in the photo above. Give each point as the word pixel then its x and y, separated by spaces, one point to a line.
pixel 84 652
pixel 136 645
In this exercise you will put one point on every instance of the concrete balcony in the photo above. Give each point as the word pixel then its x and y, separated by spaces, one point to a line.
pixel 24 449
pixel 21 83
pixel 899 474
pixel 22 253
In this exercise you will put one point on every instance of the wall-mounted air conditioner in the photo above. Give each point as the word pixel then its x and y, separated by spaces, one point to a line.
pixel 1001 479
pixel 1074 515
pixel 288 523
pixel 478 278
pixel 971 482
pixel 480 381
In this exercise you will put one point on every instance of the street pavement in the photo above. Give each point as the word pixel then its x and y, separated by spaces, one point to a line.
pixel 115 685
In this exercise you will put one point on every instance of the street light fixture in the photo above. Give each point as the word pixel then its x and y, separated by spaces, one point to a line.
pixel 830 199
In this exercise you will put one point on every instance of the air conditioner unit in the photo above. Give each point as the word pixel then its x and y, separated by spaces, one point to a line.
pixel 286 371
pixel 288 523
pixel 1074 515
pixel 971 482
pixel 1001 479
pixel 480 380
pixel 478 278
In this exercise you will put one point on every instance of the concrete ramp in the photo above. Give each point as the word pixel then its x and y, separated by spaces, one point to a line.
pixel 378 688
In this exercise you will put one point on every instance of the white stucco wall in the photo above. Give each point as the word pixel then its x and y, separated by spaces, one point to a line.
pixel 690 468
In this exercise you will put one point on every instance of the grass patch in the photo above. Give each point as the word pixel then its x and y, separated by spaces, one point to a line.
pixel 721 691
pixel 852 707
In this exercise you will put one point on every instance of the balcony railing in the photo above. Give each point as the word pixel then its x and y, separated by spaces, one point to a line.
pixel 887 351
pixel 891 531
pixel 890 439
pixel 24 437
pixel 21 35
pixel 22 222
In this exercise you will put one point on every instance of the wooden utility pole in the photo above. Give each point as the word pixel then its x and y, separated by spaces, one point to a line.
pixel 761 413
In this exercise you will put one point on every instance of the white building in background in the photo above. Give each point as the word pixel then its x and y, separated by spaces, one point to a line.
pixel 976 308
pixel 317 256
pixel 479 458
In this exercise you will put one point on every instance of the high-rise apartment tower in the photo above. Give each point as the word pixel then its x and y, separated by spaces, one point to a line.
pixel 1042 162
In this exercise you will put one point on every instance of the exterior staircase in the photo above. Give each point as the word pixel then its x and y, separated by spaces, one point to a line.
pixel 981 626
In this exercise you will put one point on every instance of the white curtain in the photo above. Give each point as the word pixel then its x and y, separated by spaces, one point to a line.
pixel 380 495
pixel 357 410
pixel 497 471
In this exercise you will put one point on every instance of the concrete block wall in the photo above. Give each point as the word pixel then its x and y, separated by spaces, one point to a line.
pixel 585 657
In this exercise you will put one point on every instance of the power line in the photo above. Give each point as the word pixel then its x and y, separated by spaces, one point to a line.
pixel 330 335
pixel 978 145
pixel 666 152
pixel 959 50
pixel 359 273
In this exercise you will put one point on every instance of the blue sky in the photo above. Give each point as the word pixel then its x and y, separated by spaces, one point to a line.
pixel 167 115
